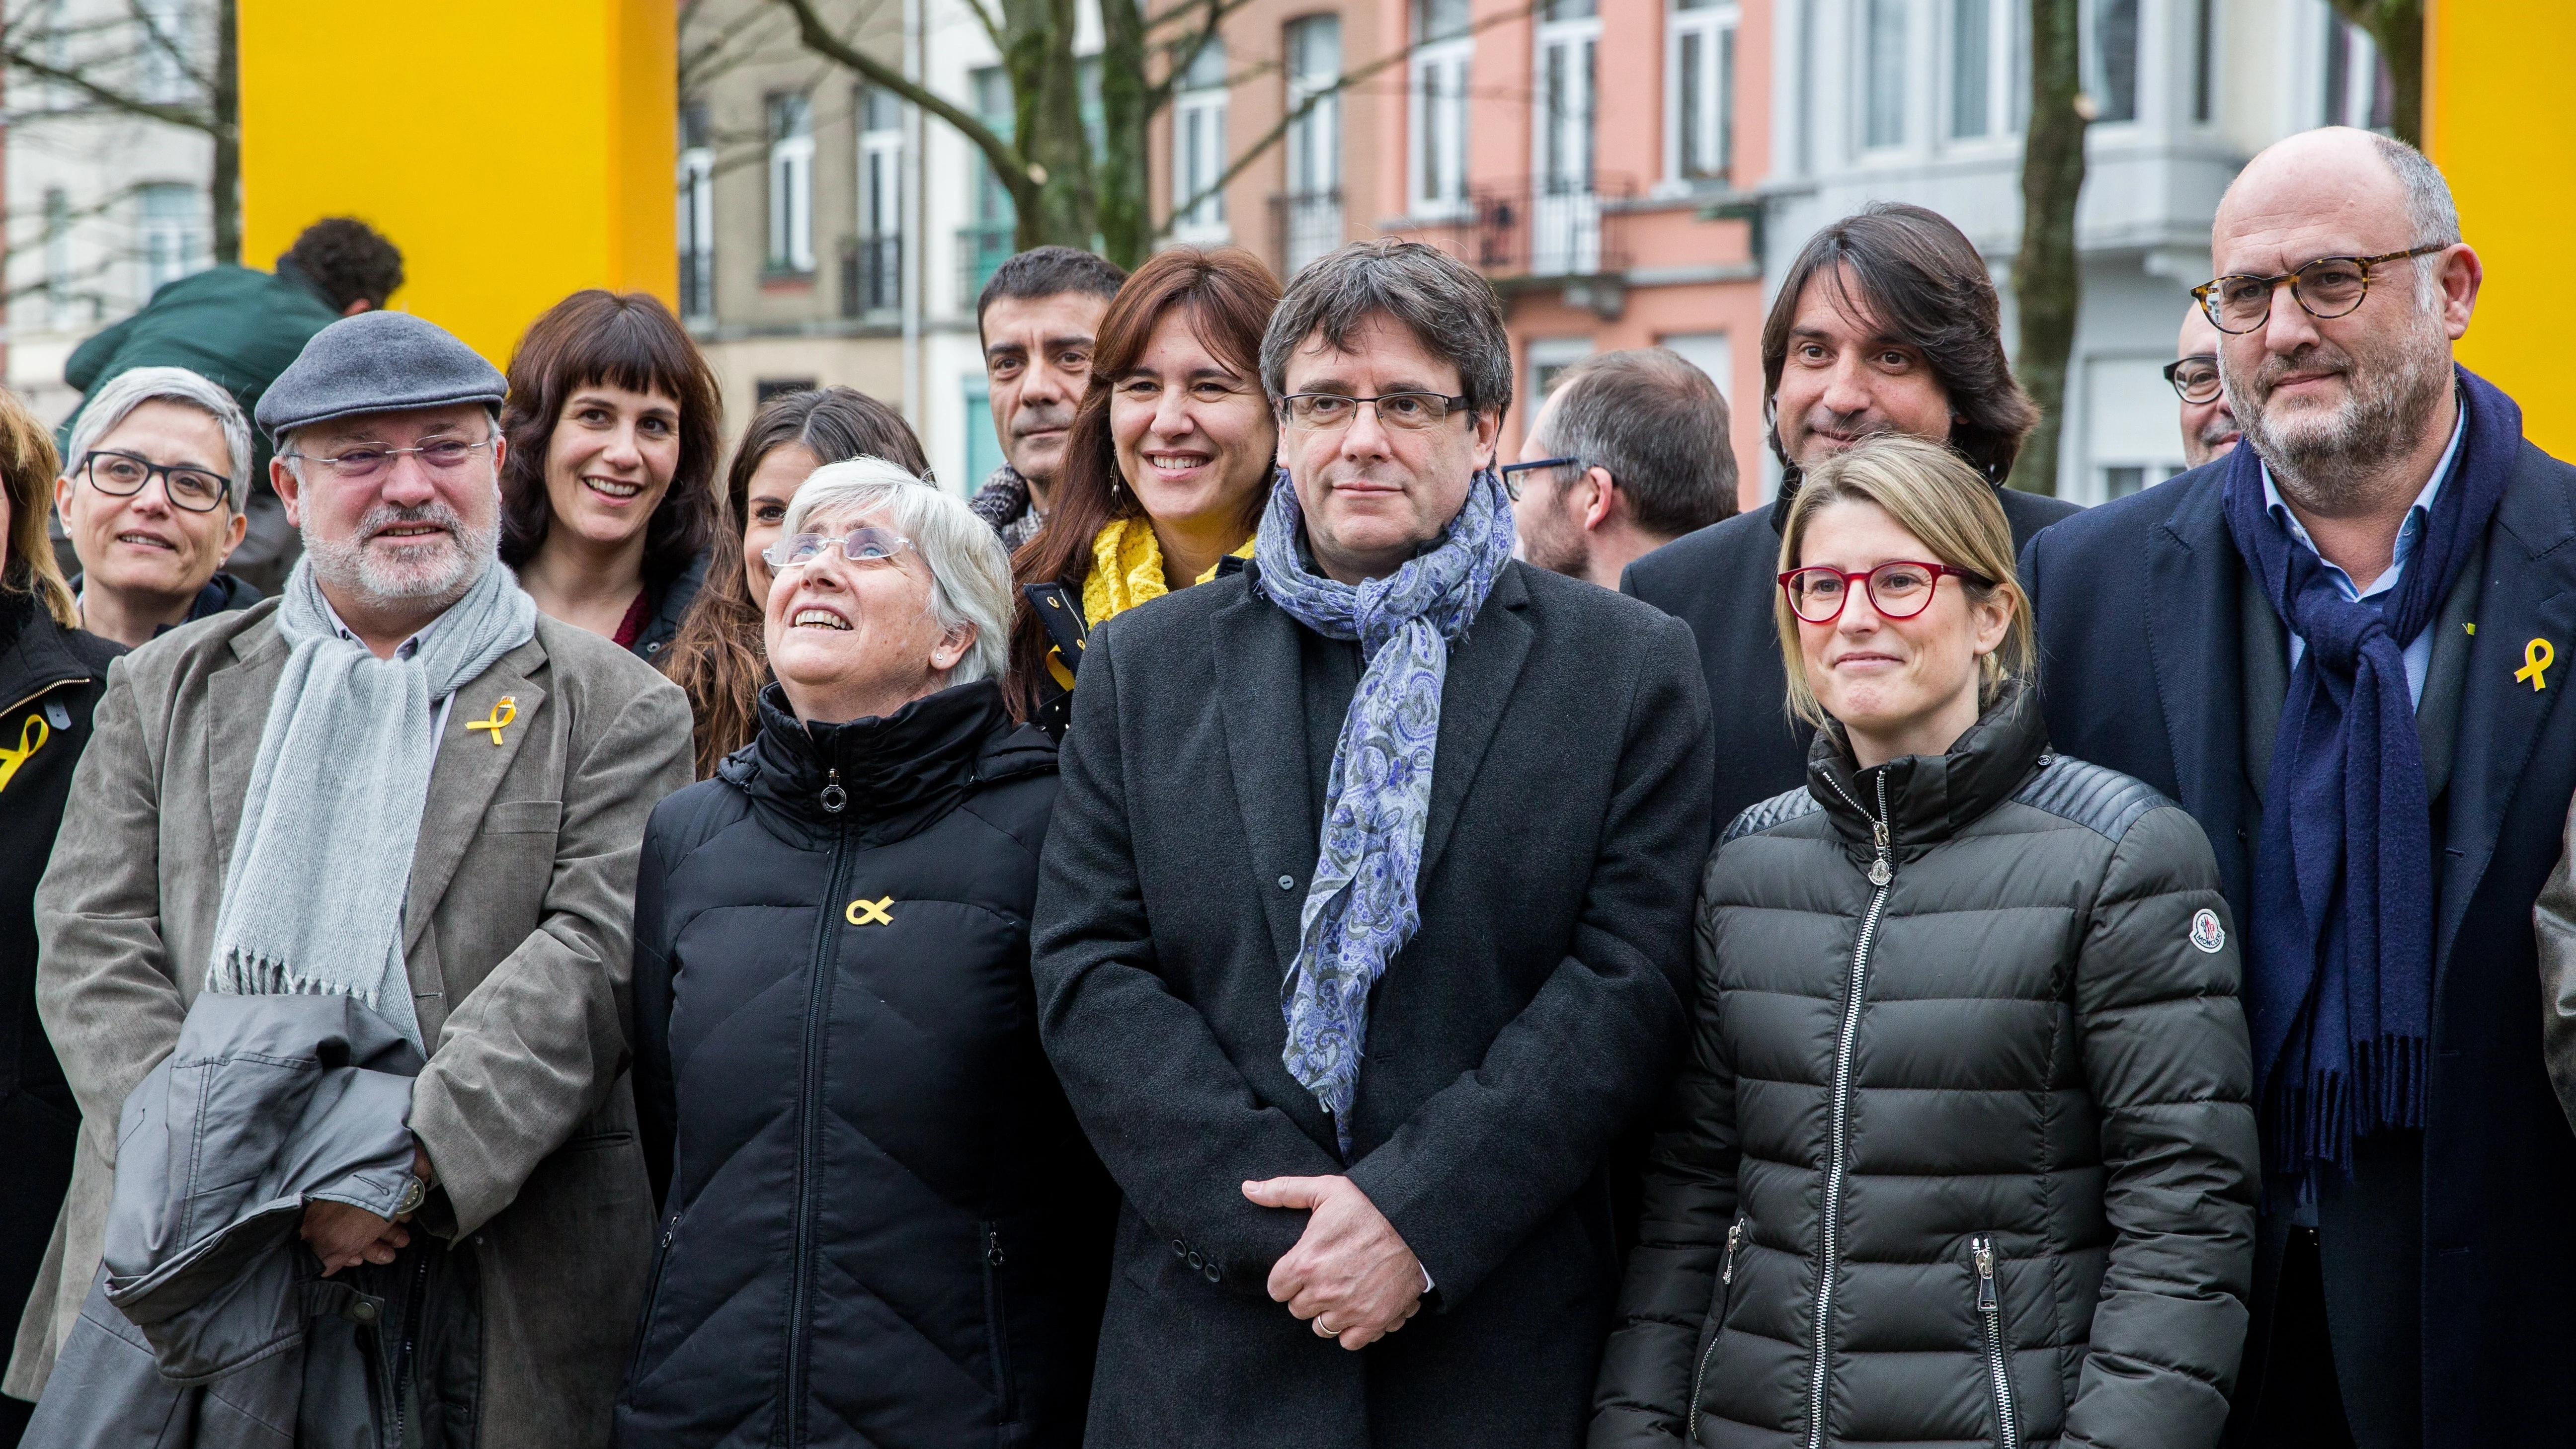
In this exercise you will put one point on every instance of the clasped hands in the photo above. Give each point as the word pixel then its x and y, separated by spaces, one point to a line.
pixel 1351 1273
pixel 343 1236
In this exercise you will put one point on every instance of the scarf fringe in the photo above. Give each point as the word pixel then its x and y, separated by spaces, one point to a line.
pixel 2316 1120
pixel 239 974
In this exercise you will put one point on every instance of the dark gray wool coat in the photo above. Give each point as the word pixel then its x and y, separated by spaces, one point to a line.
pixel 1989 1122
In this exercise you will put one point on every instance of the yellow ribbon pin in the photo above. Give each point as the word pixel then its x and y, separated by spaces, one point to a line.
pixel 31 738
pixel 2537 656
pixel 502 714
pixel 869 913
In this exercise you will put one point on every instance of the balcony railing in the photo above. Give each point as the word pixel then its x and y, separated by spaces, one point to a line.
pixel 697 284
pixel 1539 229
pixel 871 275
pixel 1306 225
pixel 982 248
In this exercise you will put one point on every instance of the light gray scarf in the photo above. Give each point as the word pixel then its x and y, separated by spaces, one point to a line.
pixel 314 899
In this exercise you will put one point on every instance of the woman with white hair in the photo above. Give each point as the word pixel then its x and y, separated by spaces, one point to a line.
pixel 152 495
pixel 880 1223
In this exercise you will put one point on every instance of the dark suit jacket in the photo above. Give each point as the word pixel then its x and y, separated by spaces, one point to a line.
pixel 1720 580
pixel 1534 1015
pixel 2143 620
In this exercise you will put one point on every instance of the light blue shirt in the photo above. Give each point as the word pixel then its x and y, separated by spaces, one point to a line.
pixel 2418 651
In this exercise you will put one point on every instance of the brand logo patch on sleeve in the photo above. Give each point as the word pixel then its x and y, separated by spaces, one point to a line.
pixel 2206 933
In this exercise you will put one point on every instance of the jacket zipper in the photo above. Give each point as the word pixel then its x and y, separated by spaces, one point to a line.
pixel 998 1324
pixel 1725 1291
pixel 1990 1307
pixel 809 1131
pixel 1882 872
pixel 652 1294
pixel 405 1372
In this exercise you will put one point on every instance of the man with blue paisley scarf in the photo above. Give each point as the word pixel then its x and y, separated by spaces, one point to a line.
pixel 1362 926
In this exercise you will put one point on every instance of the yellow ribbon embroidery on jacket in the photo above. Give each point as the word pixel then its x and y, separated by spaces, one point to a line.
pixel 31 738
pixel 869 913
pixel 502 714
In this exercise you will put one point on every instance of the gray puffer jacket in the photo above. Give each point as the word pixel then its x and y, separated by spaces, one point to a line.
pixel 1964 1153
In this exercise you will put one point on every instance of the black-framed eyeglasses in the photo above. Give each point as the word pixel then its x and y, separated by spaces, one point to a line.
pixel 1410 412
pixel 1513 472
pixel 2194 379
pixel 1898 589
pixel 123 475
pixel 2326 288
pixel 866 544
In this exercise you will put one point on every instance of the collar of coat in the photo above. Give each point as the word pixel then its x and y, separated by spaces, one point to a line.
pixel 1932 797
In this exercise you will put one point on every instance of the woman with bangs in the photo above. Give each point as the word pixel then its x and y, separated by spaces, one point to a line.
pixel 608 499
pixel 1167 469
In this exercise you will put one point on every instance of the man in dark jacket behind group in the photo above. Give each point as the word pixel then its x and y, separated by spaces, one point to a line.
pixel 2342 648
pixel 1249 792
pixel 241 327
pixel 1885 323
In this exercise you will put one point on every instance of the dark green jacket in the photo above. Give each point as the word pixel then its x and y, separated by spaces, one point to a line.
pixel 1997 1090
pixel 235 325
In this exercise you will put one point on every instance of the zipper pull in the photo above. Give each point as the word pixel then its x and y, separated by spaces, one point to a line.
pixel 1734 1239
pixel 1984 1250
pixel 993 1246
pixel 1883 869
pixel 834 797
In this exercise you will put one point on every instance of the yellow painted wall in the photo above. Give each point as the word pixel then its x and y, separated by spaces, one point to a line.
pixel 516 150
pixel 2496 123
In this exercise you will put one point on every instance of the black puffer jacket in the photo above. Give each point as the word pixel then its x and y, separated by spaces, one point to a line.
pixel 881 1226
pixel 50 680
pixel 1988 1121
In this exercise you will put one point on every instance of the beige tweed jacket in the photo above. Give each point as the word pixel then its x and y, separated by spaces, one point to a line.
pixel 518 933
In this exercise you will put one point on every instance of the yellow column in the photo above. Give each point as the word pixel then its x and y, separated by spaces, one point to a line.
pixel 516 150
pixel 2494 122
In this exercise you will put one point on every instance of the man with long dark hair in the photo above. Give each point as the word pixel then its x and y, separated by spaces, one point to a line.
pixel 1886 323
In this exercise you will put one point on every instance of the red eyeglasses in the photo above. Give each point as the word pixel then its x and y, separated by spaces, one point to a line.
pixel 1897 589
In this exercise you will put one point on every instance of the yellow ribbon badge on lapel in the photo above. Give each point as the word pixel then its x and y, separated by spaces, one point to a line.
pixel 31 738
pixel 502 714
pixel 869 913
pixel 2537 656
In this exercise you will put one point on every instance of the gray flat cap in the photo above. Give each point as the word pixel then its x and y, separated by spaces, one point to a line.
pixel 376 362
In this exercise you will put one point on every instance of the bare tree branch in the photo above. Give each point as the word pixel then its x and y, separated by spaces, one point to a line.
pixel 157 39
pixel 1009 167
pixel 1314 98
pixel 176 115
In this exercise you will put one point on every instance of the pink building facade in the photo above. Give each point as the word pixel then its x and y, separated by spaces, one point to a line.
pixel 1592 157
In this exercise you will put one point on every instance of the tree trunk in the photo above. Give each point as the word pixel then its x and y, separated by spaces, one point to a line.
pixel 224 104
pixel 2397 28
pixel 2047 280
pixel 1046 97
pixel 1126 216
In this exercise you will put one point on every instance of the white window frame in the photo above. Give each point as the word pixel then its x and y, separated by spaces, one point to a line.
pixel 165 78
pixel 791 182
pixel 169 233
pixel 1199 149
pixel 698 223
pixel 58 259
pixel 1569 121
pixel 2097 74
pixel 1707 35
pixel 1868 95
pixel 1314 147
pixel 1436 118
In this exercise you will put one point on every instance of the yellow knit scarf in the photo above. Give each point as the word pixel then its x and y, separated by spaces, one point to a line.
pixel 1127 569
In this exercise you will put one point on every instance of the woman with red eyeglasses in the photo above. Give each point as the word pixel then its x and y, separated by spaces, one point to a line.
pixel 1964 1150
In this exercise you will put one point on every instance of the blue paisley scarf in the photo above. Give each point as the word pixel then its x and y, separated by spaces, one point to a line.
pixel 1361 907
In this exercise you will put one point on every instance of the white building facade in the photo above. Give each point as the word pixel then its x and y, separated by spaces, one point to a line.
pixel 1924 101
pixel 103 206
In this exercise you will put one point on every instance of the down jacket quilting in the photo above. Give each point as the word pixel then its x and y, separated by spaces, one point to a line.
pixel 1966 1158
pixel 881 1226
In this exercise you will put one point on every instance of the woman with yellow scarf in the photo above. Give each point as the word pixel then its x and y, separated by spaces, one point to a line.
pixel 1166 470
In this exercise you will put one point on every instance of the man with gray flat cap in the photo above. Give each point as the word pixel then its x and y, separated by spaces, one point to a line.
pixel 398 782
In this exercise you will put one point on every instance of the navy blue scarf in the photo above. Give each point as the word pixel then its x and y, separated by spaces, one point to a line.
pixel 2339 963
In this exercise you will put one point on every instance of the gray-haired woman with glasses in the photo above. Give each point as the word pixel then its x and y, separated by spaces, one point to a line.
pixel 880 1224
pixel 1964 1150
pixel 152 495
